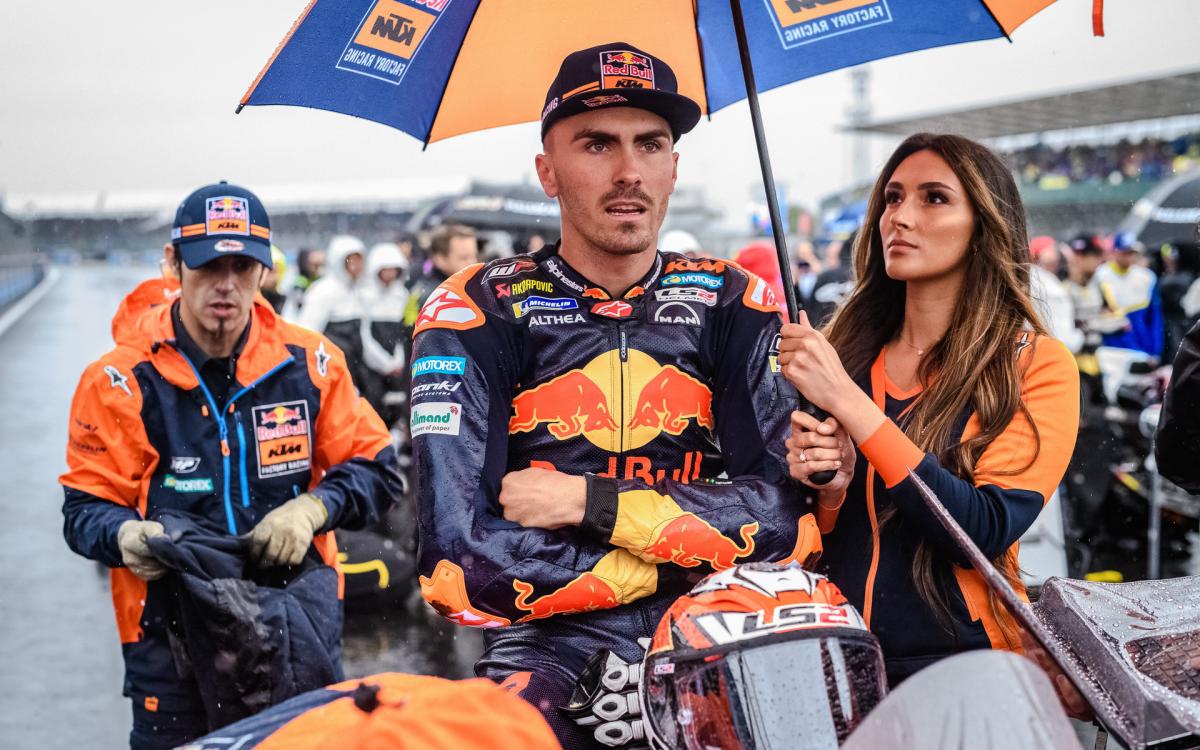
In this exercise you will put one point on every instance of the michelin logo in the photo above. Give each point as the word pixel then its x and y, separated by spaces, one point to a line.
pixel 439 366
pixel 530 304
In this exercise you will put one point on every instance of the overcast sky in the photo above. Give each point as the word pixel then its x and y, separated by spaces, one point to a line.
pixel 140 94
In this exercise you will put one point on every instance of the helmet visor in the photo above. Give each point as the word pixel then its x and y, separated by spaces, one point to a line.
pixel 798 694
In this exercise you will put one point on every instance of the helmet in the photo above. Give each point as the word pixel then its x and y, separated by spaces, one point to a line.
pixel 760 656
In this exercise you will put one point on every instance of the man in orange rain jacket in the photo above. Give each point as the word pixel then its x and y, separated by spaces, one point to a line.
pixel 212 405
pixel 575 412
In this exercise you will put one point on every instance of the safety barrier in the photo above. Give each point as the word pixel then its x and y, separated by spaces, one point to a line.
pixel 19 273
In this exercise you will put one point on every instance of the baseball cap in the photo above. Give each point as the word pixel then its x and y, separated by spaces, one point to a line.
pixel 219 220
pixel 1125 242
pixel 618 75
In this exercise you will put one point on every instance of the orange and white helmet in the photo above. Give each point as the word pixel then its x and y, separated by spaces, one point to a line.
pixel 760 656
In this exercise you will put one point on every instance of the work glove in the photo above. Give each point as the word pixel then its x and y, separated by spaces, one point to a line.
pixel 135 553
pixel 284 534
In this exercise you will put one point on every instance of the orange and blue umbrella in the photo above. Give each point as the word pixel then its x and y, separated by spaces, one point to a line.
pixel 440 68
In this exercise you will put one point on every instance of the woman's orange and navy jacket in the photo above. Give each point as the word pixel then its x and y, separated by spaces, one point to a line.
pixel 873 566
pixel 146 435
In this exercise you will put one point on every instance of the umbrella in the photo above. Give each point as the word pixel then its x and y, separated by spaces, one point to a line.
pixel 439 68
pixel 1168 214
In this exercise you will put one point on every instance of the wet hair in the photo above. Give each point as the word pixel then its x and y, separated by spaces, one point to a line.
pixel 440 242
pixel 974 366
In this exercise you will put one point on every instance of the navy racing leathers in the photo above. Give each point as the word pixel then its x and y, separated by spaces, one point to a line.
pixel 668 400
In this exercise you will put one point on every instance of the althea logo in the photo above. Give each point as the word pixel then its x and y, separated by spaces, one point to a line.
pixel 435 418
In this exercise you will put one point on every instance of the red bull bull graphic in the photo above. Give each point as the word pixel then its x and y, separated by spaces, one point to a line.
pixel 652 399
pixel 670 400
pixel 389 37
pixel 801 22
pixel 664 532
pixel 281 432
pixel 617 578
pixel 569 405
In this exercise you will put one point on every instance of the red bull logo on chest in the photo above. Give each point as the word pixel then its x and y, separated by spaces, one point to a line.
pixel 281 432
pixel 615 405
pixel 801 22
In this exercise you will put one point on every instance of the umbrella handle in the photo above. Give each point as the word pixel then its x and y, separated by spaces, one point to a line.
pixel 764 163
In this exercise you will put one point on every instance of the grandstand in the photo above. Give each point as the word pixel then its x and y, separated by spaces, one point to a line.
pixel 1081 158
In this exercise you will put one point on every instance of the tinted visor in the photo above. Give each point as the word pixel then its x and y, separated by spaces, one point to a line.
pixel 799 694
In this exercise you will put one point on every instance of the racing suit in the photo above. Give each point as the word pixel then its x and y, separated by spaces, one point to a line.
pixel 669 401
pixel 1132 294
pixel 147 434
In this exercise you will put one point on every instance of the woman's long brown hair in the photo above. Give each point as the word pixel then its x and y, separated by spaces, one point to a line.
pixel 974 366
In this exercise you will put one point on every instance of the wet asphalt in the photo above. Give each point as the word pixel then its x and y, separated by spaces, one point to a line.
pixel 60 657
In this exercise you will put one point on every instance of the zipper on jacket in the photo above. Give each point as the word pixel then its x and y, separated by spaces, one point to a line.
pixel 219 415
pixel 237 417
pixel 623 354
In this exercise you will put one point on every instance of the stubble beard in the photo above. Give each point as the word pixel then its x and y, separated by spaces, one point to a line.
pixel 627 238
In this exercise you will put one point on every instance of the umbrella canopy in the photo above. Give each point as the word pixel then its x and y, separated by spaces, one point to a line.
pixel 1168 214
pixel 439 68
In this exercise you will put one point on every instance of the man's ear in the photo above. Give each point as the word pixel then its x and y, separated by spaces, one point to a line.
pixel 545 173
pixel 674 169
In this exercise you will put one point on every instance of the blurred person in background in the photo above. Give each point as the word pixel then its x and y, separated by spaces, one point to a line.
pixel 536 242
pixel 384 335
pixel 680 241
pixel 310 264
pixel 760 259
pixel 1050 295
pixel 453 248
pixel 834 281
pixel 1085 254
pixel 1130 291
pixel 333 304
pixel 270 281
pixel 1173 284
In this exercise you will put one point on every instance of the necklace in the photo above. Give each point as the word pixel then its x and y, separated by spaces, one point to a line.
pixel 920 352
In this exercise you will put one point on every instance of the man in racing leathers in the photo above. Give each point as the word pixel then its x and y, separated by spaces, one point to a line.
pixel 576 411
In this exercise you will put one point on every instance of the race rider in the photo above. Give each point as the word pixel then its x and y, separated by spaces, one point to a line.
pixel 576 411
pixel 214 406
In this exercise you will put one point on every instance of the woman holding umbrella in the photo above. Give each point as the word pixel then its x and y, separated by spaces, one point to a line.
pixel 936 364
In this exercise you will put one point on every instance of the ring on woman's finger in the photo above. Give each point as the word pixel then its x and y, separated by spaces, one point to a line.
pixel 803 457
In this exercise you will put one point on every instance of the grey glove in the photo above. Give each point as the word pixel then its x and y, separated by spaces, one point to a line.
pixel 135 553
pixel 284 534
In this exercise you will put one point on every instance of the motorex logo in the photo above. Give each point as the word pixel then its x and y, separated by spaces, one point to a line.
pixel 698 279
pixel 440 366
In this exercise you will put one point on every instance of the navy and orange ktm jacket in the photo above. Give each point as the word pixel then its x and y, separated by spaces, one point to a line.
pixel 668 399
pixel 146 435
pixel 1014 478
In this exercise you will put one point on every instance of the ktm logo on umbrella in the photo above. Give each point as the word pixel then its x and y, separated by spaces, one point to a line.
pixel 651 398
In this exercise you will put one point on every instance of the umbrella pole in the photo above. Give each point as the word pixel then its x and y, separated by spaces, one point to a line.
pixel 764 162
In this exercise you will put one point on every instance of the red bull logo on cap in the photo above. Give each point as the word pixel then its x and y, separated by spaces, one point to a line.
pixel 625 69
pixel 804 21
pixel 227 215
pixel 653 399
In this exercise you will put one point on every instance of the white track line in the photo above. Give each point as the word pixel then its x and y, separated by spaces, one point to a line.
pixel 26 303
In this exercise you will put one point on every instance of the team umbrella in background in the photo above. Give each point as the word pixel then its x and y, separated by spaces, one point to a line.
pixel 439 68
